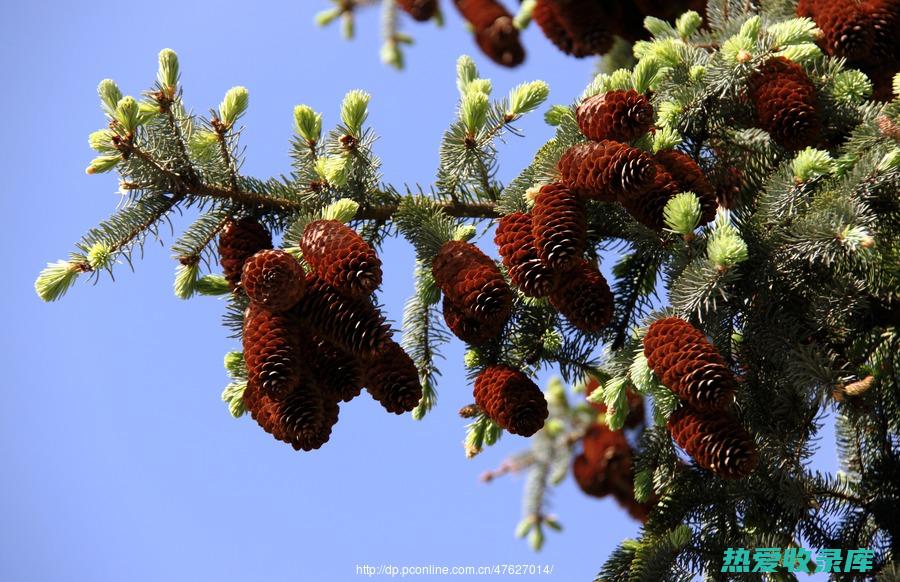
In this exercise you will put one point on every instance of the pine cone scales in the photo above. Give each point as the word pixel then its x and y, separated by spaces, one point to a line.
pixel 238 241
pixel 495 33
pixel 341 257
pixel 583 297
pixel 690 178
pixel 515 240
pixel 606 170
pixel 576 27
pixel 511 400
pixel 648 207
pixel 272 352
pixel 338 372
pixel 303 419
pixel 606 464
pixel 617 115
pixel 354 325
pixel 682 358
pixel 785 102
pixel 472 282
pixel 715 441
pixel 559 226
pixel 420 10
pixel 273 279
pixel 546 16
pixel 467 329
pixel 393 380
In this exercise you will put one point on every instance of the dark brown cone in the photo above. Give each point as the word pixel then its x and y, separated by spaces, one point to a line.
pixel 303 419
pixel 515 240
pixel 420 10
pixel 690 178
pixel 648 207
pixel 559 226
pixel 511 400
pixel 606 170
pixel 682 358
pixel 583 297
pixel 495 33
pixel 472 282
pixel 606 463
pixel 635 401
pixel 393 380
pixel 546 16
pixel 576 27
pixel 354 325
pixel 728 183
pixel 715 441
pixel 238 241
pixel 341 258
pixel 272 351
pixel 616 115
pixel 785 102
pixel 470 330
pixel 273 279
pixel 339 373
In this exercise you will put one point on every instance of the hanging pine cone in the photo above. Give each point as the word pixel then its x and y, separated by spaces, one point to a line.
pixel 272 351
pixel 470 330
pixel 617 115
pixel 688 364
pixel 583 297
pixel 606 170
pixel 303 419
pixel 690 178
pixel 545 14
pixel 728 182
pixel 785 102
pixel 273 279
pixel 576 27
pixel 472 282
pixel 606 463
pixel 715 441
pixel 393 380
pixel 559 226
pixel 341 258
pixel 238 241
pixel 337 371
pixel 495 33
pixel 354 325
pixel 511 400
pixel 420 10
pixel 515 240
pixel 648 206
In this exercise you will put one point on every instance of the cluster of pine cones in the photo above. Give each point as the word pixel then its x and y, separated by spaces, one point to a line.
pixel 606 464
pixel 785 102
pixel 313 340
pixel 686 363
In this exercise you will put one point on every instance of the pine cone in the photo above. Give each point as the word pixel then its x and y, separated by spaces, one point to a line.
pixel 337 371
pixel 688 364
pixel 606 170
pixel 515 240
pixel 354 325
pixel 559 226
pixel 616 115
pixel 303 419
pixel 420 10
pixel 341 258
pixel 728 182
pixel 785 102
pixel 495 33
pixel 648 207
pixel 393 380
pixel 690 178
pixel 272 351
pixel 606 464
pixel 273 279
pixel 576 27
pixel 715 441
pixel 583 297
pixel 511 400
pixel 238 241
pixel 470 330
pixel 472 282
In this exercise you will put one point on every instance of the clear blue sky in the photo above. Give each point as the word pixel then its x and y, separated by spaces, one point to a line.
pixel 119 460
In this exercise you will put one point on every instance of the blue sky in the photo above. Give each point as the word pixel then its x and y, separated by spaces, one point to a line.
pixel 120 462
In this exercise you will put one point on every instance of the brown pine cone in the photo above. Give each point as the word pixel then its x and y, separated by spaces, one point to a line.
pixel 583 297
pixel 715 441
pixel 559 226
pixel 691 367
pixel 728 182
pixel 515 240
pixel 472 282
pixel 238 241
pixel 420 10
pixel 470 330
pixel 617 115
pixel 273 351
pixel 341 258
pixel 606 463
pixel 303 419
pixel 690 178
pixel 511 400
pixel 606 170
pixel 495 33
pixel 576 27
pixel 337 371
pixel 648 207
pixel 785 102
pixel 393 380
pixel 353 324
pixel 273 279
pixel 546 16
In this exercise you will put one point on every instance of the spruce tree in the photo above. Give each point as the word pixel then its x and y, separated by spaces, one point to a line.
pixel 741 177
